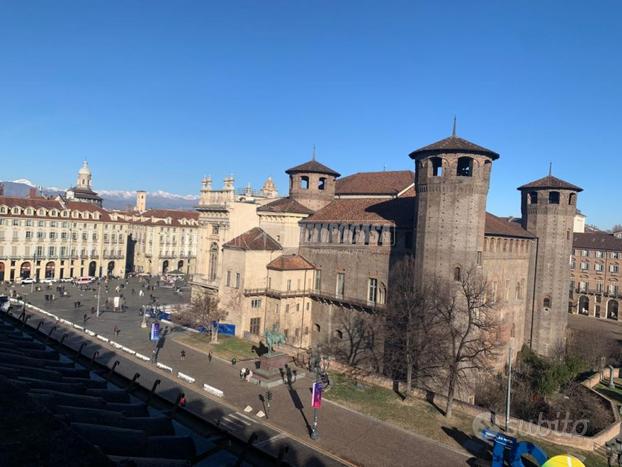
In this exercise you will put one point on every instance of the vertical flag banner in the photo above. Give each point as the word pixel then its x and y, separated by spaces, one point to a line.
pixel 316 396
pixel 155 331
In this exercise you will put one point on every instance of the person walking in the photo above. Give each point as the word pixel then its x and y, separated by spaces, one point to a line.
pixel 242 373
pixel 84 318
pixel 183 354
pixel 116 330
pixel 209 357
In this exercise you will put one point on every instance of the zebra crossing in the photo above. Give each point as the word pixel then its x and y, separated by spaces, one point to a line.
pixel 236 421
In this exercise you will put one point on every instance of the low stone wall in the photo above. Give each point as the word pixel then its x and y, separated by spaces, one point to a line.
pixel 604 376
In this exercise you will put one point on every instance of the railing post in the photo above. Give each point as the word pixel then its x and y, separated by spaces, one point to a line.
pixel 112 368
pixel 47 339
pixel 152 392
pixel 173 411
pixel 63 338
pixel 130 386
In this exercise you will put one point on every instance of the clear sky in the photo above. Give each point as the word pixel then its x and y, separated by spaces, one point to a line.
pixel 156 94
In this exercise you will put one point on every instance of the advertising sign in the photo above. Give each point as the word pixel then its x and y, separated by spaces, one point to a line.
pixel 316 396
pixel 155 331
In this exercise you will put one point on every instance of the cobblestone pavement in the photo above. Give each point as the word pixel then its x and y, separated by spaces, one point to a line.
pixel 353 437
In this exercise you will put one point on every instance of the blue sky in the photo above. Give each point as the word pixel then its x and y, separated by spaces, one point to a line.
pixel 156 94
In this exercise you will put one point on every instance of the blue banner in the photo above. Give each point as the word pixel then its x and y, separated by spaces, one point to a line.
pixel 155 331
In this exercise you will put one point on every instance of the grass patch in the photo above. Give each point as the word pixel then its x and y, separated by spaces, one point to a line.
pixel 421 417
pixel 227 346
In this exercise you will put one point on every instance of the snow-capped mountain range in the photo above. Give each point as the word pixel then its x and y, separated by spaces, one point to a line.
pixel 113 199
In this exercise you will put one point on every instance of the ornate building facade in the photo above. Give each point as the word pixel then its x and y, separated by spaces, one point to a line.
pixel 326 250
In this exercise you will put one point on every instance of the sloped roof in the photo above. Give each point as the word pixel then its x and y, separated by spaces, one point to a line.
pixel 397 211
pixel 597 241
pixel 550 182
pixel 505 227
pixel 375 183
pixel 312 166
pixel 285 205
pixel 290 263
pixel 453 144
pixel 255 239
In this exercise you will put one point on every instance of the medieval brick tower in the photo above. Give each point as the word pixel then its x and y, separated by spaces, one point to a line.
pixel 548 207
pixel 452 179
pixel 312 184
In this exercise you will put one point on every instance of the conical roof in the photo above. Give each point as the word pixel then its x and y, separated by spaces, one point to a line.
pixel 312 166
pixel 453 144
pixel 550 182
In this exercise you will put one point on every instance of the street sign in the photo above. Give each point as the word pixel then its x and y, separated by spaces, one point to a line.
pixel 155 331
pixel 316 396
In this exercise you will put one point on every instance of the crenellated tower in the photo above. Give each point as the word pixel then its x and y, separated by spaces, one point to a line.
pixel 451 179
pixel 548 208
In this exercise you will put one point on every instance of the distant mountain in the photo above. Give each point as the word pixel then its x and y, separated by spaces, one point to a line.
pixel 113 199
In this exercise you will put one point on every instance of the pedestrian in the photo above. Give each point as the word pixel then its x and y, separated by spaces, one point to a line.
pixel 116 330
pixel 84 318
pixel 209 357
pixel 183 354
pixel 234 361
pixel 242 373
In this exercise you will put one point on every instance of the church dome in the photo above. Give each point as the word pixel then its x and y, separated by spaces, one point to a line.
pixel 84 170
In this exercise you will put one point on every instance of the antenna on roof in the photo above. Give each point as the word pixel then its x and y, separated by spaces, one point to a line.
pixel 550 168
pixel 313 155
pixel 453 130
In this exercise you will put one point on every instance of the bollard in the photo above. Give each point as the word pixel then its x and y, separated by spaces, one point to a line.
pixel 93 357
pixel 133 383
pixel 152 392
pixel 75 358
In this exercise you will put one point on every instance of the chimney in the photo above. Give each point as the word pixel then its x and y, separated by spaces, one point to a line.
pixel 141 201
pixel 32 192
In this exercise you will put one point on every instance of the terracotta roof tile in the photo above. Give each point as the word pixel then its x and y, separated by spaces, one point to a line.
pixel 375 183
pixel 255 239
pixel 550 182
pixel 597 241
pixel 312 166
pixel 453 144
pixel 285 205
pixel 505 227
pixel 396 211
pixel 290 263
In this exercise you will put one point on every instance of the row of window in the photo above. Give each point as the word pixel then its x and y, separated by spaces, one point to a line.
pixel 584 286
pixel 50 212
pixel 55 224
pixel 598 254
pixel 598 267
pixel 255 328
pixel 40 251
pixel 238 280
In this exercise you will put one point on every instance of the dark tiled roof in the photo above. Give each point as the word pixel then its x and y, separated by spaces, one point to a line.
pixel 453 144
pixel 550 182
pixel 312 166
pixel 255 239
pixel 290 263
pixel 375 183
pixel 285 205
pixel 597 241
pixel 397 211
pixel 505 227
pixel 85 193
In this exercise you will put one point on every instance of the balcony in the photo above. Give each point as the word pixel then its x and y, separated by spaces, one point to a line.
pixel 343 300
pixel 275 293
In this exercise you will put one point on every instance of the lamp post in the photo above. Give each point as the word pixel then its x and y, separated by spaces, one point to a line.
pixel 99 289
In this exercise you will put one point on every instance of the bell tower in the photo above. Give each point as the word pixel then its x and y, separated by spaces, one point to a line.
pixel 451 181
pixel 312 184
pixel 84 177
pixel 548 207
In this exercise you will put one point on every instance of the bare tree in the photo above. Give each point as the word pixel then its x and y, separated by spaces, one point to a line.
pixel 205 311
pixel 412 327
pixel 466 311
pixel 356 341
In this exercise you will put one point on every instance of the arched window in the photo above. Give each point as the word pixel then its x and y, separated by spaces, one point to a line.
pixel 321 183
pixel 465 167
pixel 213 261
pixel 304 182
pixel 457 275
pixel 612 309
pixel 572 199
pixel 547 302
pixel 437 166
pixel 533 197
pixel 553 197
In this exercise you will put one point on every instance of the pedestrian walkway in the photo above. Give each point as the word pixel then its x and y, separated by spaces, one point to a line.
pixel 354 437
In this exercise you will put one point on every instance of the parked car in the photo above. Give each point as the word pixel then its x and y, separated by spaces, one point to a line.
pixel 47 280
pixel 84 280
pixel 27 281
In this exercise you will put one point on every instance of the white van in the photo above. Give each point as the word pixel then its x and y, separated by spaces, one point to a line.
pixel 84 280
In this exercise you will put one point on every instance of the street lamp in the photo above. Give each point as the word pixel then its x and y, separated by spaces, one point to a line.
pixel 99 289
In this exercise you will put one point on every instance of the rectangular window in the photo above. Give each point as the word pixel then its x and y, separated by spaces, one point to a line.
pixel 289 284
pixel 237 280
pixel 256 303
pixel 599 286
pixel 612 289
pixel 228 278
pixel 614 268
pixel 584 266
pixel 582 286
pixel 255 326
pixel 615 255
pixel 341 282
pixel 372 290
pixel 28 234
pixel 318 280
pixel 583 252
pixel 598 254
pixel 598 267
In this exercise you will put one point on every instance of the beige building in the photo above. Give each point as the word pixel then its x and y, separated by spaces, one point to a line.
pixel 73 236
